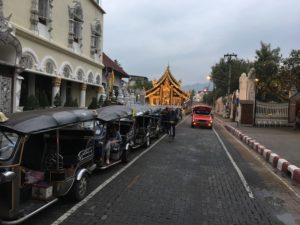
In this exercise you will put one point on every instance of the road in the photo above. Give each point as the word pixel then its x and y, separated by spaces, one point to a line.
pixel 191 180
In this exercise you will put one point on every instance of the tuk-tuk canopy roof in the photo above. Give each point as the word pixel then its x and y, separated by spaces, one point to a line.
pixel 36 121
pixel 113 112
pixel 116 112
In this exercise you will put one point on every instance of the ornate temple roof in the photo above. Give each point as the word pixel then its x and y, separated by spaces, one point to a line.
pixel 169 80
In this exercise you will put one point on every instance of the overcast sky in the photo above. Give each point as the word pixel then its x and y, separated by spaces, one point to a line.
pixel 192 35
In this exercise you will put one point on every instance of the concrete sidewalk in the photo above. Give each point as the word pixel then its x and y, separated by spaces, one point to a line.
pixel 280 146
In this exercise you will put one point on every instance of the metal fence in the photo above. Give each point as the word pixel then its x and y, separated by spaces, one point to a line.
pixel 271 114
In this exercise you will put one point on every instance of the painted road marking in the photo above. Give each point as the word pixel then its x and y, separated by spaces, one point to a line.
pixel 100 187
pixel 247 187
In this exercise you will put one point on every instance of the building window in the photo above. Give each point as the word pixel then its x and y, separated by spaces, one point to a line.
pixel 91 78
pixel 80 75
pixel 27 61
pixel 96 33
pixel 75 24
pixel 98 79
pixel 41 16
pixel 67 71
pixel 43 11
pixel 49 67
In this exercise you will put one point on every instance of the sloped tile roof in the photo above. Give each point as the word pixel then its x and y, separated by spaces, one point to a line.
pixel 109 63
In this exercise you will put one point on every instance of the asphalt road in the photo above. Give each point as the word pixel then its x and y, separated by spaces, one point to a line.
pixel 187 181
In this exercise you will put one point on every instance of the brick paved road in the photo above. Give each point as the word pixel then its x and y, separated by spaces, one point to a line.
pixel 188 181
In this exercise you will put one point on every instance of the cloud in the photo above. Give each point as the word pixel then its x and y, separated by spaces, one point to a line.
pixel 192 35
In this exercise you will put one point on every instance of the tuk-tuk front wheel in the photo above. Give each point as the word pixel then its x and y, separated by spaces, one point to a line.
pixel 80 188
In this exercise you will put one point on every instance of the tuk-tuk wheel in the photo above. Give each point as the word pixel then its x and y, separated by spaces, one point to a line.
pixel 80 188
pixel 148 142
pixel 125 156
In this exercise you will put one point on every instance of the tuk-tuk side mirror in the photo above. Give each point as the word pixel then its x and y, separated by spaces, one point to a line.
pixel 7 176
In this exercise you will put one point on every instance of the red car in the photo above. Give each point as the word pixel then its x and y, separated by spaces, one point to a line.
pixel 201 116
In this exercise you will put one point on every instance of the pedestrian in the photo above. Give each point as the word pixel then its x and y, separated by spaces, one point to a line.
pixel 165 118
pixel 173 119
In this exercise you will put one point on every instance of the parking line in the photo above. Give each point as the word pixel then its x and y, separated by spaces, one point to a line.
pixel 246 185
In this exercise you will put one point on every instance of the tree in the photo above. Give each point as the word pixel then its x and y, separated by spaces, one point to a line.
pixel 43 100
pixel 220 75
pixel 57 100
pixel 31 103
pixel 75 103
pixel 107 102
pixel 290 73
pixel 267 62
pixel 93 104
pixel 100 102
pixel 69 102
pixel 209 97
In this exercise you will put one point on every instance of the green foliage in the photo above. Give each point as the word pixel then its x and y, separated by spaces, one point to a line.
pixel 139 85
pixel 93 104
pixel 209 98
pixel 57 100
pixel 107 102
pixel 267 65
pixel 69 101
pixel 289 74
pixel 43 100
pixel 220 75
pixel 101 101
pixel 75 103
pixel 31 103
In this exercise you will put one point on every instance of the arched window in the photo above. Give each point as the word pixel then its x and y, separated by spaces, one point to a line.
pixel 49 67
pixel 91 77
pixel 27 61
pixel 98 79
pixel 80 75
pixel 67 71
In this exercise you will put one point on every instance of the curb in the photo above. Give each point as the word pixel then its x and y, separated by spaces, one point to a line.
pixel 272 158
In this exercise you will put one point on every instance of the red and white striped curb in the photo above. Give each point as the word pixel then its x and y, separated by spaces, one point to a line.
pixel 274 159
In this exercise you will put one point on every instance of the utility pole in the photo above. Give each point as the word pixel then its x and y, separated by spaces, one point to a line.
pixel 229 58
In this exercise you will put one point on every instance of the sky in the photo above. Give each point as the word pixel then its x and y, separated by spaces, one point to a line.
pixel 191 36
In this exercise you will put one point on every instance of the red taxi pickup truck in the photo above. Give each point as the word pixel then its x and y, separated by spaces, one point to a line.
pixel 202 116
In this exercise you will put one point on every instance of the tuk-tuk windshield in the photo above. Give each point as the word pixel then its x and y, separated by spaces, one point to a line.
pixel 8 143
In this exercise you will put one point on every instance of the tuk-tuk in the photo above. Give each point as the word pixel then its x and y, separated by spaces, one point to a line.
pixel 44 154
pixel 110 119
pixel 153 120
pixel 141 126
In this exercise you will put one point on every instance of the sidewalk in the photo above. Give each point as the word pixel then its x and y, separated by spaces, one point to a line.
pixel 280 146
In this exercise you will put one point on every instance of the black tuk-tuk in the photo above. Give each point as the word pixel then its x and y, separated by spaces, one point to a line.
pixel 110 120
pixel 141 126
pixel 44 154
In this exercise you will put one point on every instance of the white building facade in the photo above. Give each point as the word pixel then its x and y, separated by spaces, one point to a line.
pixel 54 50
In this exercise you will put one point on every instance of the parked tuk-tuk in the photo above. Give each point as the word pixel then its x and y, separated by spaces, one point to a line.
pixel 44 154
pixel 141 126
pixel 112 118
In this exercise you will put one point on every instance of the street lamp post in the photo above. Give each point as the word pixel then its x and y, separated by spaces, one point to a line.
pixel 229 58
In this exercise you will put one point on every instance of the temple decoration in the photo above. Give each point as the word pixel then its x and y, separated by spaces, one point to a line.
pixel 166 91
